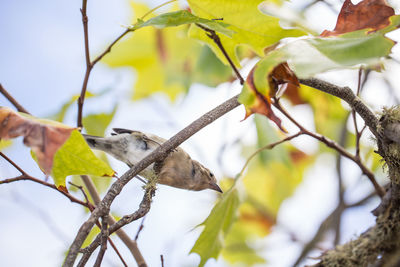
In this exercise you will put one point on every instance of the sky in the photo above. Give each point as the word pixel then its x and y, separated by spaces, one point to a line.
pixel 42 65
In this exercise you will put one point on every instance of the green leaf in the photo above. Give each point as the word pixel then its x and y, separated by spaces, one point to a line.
pixel 182 17
pixel 165 60
pixel 209 70
pixel 96 124
pixel 216 226
pixel 251 27
pixel 75 157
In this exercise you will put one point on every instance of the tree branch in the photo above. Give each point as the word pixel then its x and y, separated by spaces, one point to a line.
pixel 90 64
pixel 104 237
pixel 144 207
pixel 12 100
pixel 332 144
pixel 347 95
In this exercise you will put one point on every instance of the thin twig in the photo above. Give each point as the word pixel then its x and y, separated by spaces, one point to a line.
pixel 332 144
pixel 14 164
pixel 267 147
pixel 347 95
pixel 162 260
pixel 90 64
pixel 17 105
pixel 81 98
pixel 140 229
pixel 104 237
pixel 212 35
pixel 157 7
pixel 36 180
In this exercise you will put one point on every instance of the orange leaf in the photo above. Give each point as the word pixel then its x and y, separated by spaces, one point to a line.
pixel 262 104
pixel 284 76
pixel 372 14
pixel 44 137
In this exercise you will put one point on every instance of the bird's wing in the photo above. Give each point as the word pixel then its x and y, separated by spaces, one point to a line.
pixel 139 134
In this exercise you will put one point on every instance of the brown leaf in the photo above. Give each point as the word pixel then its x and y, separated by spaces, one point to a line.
pixel 283 76
pixel 262 104
pixel 45 138
pixel 372 14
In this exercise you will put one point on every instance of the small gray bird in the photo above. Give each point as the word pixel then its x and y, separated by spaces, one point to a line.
pixel 177 169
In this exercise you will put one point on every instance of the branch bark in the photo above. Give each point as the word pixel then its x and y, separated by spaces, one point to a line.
pixel 347 95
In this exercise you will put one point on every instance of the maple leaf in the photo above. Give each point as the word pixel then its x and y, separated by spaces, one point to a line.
pixel 282 78
pixel 257 91
pixel 251 27
pixel 256 101
pixel 58 149
pixel 372 14
pixel 44 139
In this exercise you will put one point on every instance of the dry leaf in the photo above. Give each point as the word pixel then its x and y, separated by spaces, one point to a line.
pixel 262 104
pixel 284 76
pixel 372 14
pixel 44 137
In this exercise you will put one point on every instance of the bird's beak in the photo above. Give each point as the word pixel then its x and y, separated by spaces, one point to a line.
pixel 215 187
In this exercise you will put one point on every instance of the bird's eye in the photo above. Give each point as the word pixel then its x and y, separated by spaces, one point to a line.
pixel 211 174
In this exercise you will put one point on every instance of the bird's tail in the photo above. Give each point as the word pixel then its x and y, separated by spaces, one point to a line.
pixel 96 142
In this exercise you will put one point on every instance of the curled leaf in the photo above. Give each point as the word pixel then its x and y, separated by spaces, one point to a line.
pixel 372 14
pixel 58 149
pixel 262 83
pixel 43 136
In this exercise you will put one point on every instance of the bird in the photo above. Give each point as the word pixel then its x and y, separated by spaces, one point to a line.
pixel 178 169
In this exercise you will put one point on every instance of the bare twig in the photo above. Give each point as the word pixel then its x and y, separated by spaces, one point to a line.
pixel 104 237
pixel 332 144
pixel 347 95
pixel 36 180
pixel 157 7
pixel 90 64
pixel 12 100
pixel 139 229
pixel 212 35
pixel 267 147
pixel 14 164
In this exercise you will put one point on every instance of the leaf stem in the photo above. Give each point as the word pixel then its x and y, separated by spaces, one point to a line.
pixel 214 36
pixel 157 7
